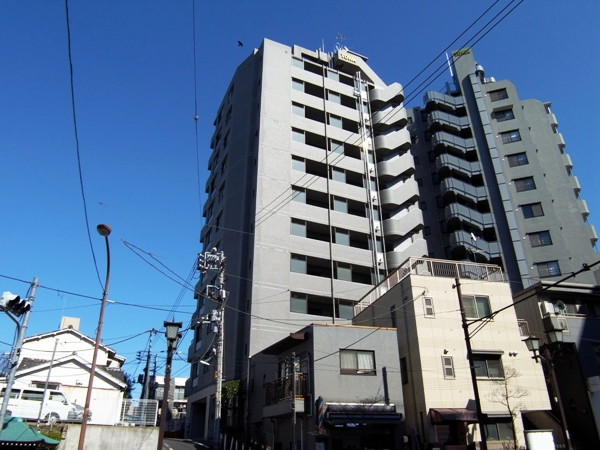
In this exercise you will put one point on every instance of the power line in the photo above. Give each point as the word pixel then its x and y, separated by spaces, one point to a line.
pixel 74 115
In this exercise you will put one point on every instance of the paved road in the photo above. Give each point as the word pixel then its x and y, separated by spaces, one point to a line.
pixel 184 444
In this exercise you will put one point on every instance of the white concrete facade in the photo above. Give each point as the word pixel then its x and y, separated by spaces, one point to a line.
pixel 433 352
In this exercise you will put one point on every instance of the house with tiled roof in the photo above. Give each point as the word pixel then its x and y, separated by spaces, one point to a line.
pixel 64 358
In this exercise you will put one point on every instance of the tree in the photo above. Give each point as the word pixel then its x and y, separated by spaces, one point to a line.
pixel 509 394
pixel 130 381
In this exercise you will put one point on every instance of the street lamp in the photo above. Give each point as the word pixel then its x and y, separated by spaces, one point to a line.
pixel 172 334
pixel 104 231
pixel 555 336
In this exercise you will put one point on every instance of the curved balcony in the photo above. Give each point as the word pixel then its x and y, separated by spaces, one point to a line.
pixel 442 138
pixel 417 248
pixel 438 120
pixel 456 211
pixel 380 96
pixel 397 227
pixel 451 162
pixel 393 140
pixel 434 100
pixel 398 165
pixel 484 248
pixel 399 194
pixel 390 116
pixel 473 193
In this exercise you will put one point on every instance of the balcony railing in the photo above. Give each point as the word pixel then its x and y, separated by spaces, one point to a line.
pixel 281 390
pixel 432 268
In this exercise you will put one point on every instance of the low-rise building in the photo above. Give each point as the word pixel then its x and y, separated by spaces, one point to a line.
pixel 63 359
pixel 327 386
pixel 421 300
pixel 573 309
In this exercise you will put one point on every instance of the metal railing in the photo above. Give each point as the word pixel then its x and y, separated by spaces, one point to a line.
pixel 433 268
pixel 138 412
pixel 281 389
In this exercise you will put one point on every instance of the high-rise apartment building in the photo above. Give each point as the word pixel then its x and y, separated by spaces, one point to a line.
pixel 321 182
pixel 495 182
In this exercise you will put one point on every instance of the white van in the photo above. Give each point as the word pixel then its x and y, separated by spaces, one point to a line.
pixel 25 402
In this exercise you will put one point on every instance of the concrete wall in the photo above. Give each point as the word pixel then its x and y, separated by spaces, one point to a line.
pixel 100 437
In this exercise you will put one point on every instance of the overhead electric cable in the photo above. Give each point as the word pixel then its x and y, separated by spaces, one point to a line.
pixel 74 114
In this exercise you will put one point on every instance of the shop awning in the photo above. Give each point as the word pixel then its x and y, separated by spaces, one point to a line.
pixel 442 415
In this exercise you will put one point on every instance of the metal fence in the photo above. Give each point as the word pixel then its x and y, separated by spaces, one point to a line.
pixel 138 412
pixel 432 268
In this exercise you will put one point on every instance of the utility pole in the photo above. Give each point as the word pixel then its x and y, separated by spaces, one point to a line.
pixel 214 260
pixel 465 326
pixel 147 369
pixel 14 307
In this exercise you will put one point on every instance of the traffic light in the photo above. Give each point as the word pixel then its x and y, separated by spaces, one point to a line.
pixel 14 303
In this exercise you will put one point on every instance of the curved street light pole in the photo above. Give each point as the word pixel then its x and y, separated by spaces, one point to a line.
pixel 103 230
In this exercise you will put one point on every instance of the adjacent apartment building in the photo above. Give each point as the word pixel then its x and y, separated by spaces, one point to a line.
pixel 322 183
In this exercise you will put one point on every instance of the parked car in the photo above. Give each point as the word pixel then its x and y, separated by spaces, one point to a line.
pixel 25 402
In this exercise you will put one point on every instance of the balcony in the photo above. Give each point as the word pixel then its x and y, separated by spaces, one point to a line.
pixel 393 93
pixel 438 120
pixel 436 100
pixel 462 145
pixel 280 393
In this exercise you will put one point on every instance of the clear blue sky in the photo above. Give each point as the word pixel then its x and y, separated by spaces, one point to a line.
pixel 135 101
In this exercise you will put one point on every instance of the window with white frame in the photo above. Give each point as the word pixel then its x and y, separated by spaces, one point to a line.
pixel 448 365
pixel 357 362
pixel 428 307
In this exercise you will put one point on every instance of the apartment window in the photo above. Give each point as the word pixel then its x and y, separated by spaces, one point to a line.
pixel 342 237
pixel 448 365
pixel 548 269
pixel 298 164
pixel 335 121
pixel 297 85
pixel 298 63
pixel 540 238
pixel 298 194
pixel 343 272
pixel 334 97
pixel 404 370
pixel 499 431
pixel 518 159
pixel 337 147
pixel 499 94
pixel 298 109
pixel 357 362
pixel 297 135
pixel 345 309
pixel 503 115
pixel 524 184
pixel 298 228
pixel 510 136
pixel 488 365
pixel 298 263
pixel 476 306
pixel 338 174
pixel 340 204
pixel 532 210
pixel 428 307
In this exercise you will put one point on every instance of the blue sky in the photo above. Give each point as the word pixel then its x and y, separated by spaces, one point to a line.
pixel 143 156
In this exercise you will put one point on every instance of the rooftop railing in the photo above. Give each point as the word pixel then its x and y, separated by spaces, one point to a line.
pixel 432 268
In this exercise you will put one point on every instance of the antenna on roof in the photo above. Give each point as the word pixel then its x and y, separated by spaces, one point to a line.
pixel 449 65
pixel 339 39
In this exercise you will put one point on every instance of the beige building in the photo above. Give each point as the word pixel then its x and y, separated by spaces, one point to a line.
pixel 421 300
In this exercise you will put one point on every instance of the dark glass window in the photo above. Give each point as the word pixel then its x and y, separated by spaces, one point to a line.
pixel 518 159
